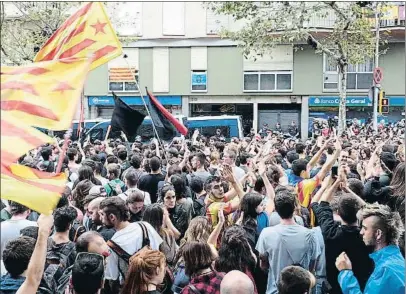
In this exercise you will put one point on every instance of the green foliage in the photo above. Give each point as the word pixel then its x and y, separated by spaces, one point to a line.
pixel 25 31
pixel 350 38
pixel 345 35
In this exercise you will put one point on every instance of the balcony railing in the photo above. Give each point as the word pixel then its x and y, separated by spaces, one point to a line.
pixel 328 21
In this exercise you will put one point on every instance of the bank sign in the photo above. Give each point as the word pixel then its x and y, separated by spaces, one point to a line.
pixel 335 101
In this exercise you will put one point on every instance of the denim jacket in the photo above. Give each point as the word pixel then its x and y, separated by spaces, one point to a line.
pixel 388 276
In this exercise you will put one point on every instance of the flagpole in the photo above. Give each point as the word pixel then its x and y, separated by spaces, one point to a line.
pixel 146 107
pixel 63 151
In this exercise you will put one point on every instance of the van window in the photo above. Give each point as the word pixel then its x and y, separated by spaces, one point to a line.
pixel 96 134
pixel 211 131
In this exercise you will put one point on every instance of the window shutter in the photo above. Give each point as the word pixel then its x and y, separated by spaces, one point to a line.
pixel 173 21
pixel 280 58
pixel 160 69
pixel 198 58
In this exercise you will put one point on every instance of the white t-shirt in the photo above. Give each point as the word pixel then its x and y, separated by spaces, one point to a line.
pixel 147 198
pixel 130 240
pixel 10 230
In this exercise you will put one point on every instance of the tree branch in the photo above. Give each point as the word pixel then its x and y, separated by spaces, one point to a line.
pixel 323 48
pixel 337 9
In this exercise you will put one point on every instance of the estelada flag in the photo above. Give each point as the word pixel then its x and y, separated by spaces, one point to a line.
pixel 44 94
pixel 17 138
pixel 160 109
pixel 125 118
pixel 37 190
pixel 88 31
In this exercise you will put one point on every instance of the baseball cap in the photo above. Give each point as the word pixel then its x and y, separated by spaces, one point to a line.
pixel 98 191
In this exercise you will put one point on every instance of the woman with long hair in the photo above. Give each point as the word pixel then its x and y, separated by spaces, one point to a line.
pixel 365 153
pixel 255 218
pixel 159 219
pixel 80 192
pixel 85 172
pixel 146 270
pixel 177 214
pixel 235 253
pixel 198 259
pixel 198 231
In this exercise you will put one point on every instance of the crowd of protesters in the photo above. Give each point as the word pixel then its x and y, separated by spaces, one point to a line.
pixel 262 214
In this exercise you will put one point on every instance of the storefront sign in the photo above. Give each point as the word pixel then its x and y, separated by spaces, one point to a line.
pixel 335 101
pixel 199 81
pixel 396 101
pixel 132 100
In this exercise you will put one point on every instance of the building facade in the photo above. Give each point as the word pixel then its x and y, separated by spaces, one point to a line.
pixel 180 59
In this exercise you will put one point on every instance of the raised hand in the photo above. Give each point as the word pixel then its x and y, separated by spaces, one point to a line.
pixel 228 174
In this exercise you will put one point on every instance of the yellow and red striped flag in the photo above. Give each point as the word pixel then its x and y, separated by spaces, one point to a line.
pixel 37 190
pixel 17 138
pixel 44 94
pixel 88 31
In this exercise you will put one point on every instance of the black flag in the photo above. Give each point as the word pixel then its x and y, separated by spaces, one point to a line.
pixel 125 118
pixel 165 129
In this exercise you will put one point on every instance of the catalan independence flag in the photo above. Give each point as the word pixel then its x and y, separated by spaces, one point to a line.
pixel 87 31
pixel 44 94
pixel 37 190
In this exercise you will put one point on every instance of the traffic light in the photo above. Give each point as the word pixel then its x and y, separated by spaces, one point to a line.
pixel 383 102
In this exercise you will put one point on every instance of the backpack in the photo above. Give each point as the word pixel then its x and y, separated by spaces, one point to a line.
pixel 124 259
pixel 199 208
pixel 57 271
pixel 76 230
pixel 124 256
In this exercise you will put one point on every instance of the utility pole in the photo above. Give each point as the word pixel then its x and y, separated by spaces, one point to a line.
pixel 377 86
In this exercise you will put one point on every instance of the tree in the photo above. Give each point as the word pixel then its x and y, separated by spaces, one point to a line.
pixel 350 40
pixel 25 26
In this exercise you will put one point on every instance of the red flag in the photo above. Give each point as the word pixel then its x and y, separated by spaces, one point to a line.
pixel 180 127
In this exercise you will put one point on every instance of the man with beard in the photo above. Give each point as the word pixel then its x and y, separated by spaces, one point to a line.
pixel 217 197
pixel 128 236
pixel 96 224
pixel 198 166
pixel 381 230
pixel 341 236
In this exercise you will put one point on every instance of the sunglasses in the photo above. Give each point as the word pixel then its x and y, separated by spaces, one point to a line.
pixel 100 257
pixel 217 187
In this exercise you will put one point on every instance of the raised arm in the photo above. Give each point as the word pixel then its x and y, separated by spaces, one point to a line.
pixel 317 156
pixel 270 192
pixel 329 164
pixel 217 230
pixel 36 266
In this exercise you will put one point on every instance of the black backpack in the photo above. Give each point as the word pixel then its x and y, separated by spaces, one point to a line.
pixel 199 208
pixel 57 269
pixel 76 230
pixel 124 256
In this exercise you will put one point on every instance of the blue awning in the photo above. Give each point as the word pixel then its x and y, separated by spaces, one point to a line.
pixel 132 100
pixel 328 101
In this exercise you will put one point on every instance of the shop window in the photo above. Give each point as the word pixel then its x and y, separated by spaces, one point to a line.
pixel 122 79
pixel 267 81
pixel 359 76
pixel 199 81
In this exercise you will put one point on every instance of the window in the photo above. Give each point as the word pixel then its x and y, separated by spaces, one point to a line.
pixel 199 81
pixel 359 76
pixel 267 81
pixel 122 79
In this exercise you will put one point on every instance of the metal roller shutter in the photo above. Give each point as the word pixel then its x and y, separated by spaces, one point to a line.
pixel 105 112
pixel 272 117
